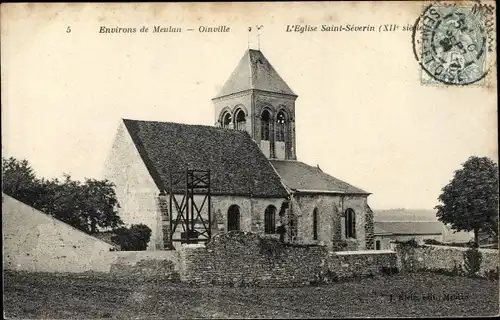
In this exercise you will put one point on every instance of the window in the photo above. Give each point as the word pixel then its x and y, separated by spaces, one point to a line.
pixel 226 120
pixel 350 224
pixel 240 120
pixel 270 219
pixel 377 245
pixel 280 126
pixel 233 218
pixel 265 121
pixel 315 224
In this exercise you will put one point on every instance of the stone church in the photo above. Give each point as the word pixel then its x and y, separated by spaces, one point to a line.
pixel 257 183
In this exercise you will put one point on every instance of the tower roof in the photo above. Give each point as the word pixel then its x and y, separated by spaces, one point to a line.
pixel 254 72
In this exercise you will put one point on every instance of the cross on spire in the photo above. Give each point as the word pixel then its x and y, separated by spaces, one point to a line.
pixel 256 29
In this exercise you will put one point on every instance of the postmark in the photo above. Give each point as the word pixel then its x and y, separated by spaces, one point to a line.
pixel 450 42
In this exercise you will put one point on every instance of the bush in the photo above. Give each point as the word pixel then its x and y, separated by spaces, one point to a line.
pixel 472 261
pixel 410 243
pixel 135 238
pixel 492 274
pixel 388 270
pixel 432 242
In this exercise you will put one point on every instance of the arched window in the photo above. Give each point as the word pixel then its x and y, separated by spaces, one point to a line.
pixel 377 245
pixel 226 120
pixel 350 224
pixel 233 218
pixel 280 126
pixel 315 224
pixel 265 121
pixel 240 120
pixel 270 219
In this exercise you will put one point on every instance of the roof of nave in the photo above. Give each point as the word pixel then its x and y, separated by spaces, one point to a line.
pixel 254 71
pixel 299 176
pixel 236 164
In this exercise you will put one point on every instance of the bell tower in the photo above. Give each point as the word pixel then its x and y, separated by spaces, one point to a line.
pixel 256 99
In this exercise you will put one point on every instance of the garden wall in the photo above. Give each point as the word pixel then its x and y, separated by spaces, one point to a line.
pixel 436 258
pixel 142 265
pixel 34 241
pixel 239 258
pixel 352 264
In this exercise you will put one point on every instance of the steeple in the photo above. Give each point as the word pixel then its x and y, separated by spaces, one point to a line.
pixel 255 98
pixel 254 72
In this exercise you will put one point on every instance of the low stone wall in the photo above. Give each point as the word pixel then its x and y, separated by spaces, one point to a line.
pixel 352 264
pixel 142 265
pixel 434 258
pixel 246 259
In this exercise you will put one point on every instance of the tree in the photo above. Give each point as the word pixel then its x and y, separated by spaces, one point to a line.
pixel 470 201
pixel 135 238
pixel 86 206
pixel 19 180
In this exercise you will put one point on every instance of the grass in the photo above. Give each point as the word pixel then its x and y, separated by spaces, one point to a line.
pixel 49 296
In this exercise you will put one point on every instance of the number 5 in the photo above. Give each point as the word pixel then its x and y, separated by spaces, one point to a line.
pixel 68 30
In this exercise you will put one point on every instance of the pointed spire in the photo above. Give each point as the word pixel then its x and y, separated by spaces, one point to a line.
pixel 254 71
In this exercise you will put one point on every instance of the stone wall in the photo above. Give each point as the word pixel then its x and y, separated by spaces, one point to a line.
pixel 240 258
pixel 135 190
pixel 143 265
pixel 35 241
pixel 245 259
pixel 352 264
pixel 434 258
pixel 331 224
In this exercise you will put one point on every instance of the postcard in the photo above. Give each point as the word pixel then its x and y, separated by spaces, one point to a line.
pixel 249 159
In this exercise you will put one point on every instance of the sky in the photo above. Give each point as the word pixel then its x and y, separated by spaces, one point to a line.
pixel 362 113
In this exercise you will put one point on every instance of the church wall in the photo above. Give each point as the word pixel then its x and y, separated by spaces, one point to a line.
pixel 331 220
pixel 231 103
pixel 135 189
pixel 251 211
pixel 275 102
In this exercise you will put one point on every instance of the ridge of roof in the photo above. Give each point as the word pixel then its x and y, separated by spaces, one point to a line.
pixel 255 72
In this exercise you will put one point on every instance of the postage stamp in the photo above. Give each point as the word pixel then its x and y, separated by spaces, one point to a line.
pixel 452 43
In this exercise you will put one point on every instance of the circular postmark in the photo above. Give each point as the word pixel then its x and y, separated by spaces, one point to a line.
pixel 450 44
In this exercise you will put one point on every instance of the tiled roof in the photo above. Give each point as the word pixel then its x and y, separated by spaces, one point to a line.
pixel 237 165
pixel 408 227
pixel 254 72
pixel 302 177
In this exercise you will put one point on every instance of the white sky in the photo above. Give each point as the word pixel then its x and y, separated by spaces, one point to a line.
pixel 362 114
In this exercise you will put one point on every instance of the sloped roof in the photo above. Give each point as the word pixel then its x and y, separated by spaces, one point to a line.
pixel 254 72
pixel 403 214
pixel 302 177
pixel 408 227
pixel 237 165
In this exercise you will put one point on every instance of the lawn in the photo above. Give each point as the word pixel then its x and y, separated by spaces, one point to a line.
pixel 30 295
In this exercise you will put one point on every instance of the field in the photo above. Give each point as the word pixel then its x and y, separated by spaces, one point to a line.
pixel 29 295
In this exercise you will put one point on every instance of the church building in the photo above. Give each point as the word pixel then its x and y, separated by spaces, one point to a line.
pixel 256 181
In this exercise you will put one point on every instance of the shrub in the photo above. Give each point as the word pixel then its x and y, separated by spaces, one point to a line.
pixel 135 238
pixel 472 261
pixel 492 274
pixel 432 242
pixel 270 246
pixel 388 270
pixel 281 230
pixel 410 243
